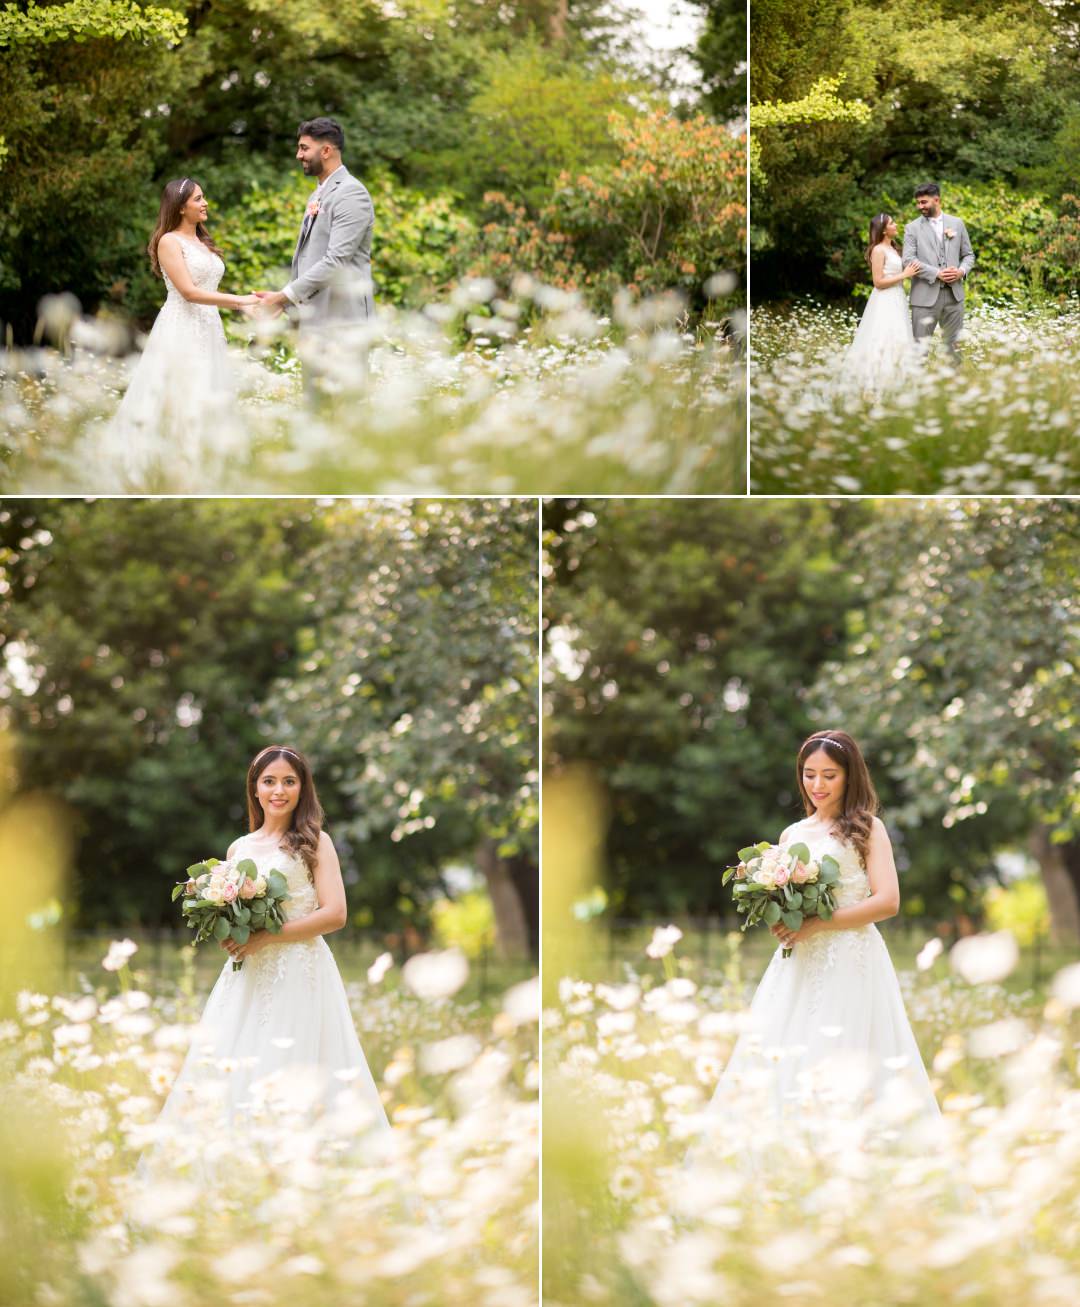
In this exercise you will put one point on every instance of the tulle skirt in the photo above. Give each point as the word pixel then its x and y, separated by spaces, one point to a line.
pixel 883 355
pixel 826 1044
pixel 275 1052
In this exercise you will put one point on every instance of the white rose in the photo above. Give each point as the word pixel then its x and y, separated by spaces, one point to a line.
pixel 214 893
pixel 812 870
pixel 260 884
pixel 765 875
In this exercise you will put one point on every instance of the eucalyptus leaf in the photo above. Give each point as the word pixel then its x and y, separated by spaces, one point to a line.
pixel 771 914
pixel 221 928
pixel 793 920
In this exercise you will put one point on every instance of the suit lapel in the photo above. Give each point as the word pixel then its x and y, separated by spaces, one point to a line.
pixel 328 190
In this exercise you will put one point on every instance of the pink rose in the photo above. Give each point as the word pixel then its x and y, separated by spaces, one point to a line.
pixel 801 874
pixel 229 893
pixel 781 878
pixel 740 871
pixel 247 888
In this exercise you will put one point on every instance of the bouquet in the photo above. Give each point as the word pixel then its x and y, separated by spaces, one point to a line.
pixel 231 898
pixel 783 884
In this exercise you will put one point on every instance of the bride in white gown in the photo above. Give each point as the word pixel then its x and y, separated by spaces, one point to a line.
pixel 883 354
pixel 828 1036
pixel 182 393
pixel 279 1029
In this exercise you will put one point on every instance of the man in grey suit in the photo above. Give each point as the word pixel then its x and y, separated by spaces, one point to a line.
pixel 940 244
pixel 331 266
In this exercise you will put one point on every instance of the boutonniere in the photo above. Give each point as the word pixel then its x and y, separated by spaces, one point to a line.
pixel 950 235
pixel 313 207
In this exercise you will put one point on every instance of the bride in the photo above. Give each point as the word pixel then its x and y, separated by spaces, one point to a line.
pixel 182 391
pixel 281 1024
pixel 883 352
pixel 828 1035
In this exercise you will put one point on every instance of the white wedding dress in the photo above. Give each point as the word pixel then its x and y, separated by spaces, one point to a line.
pixel 182 394
pixel 276 1039
pixel 827 1035
pixel 883 354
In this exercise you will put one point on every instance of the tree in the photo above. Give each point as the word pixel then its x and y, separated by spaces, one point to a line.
pixel 721 56
pixel 682 637
pixel 416 694
pixel 960 673
pixel 140 637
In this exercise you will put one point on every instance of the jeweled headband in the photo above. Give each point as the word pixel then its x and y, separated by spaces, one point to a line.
pixel 826 739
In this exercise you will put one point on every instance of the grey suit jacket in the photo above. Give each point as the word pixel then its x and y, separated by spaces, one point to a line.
pixel 331 266
pixel 921 243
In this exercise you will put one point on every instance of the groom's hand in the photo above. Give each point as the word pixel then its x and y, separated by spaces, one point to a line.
pixel 272 302
pixel 951 274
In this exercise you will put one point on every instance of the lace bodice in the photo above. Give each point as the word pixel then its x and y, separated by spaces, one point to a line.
pixel 205 267
pixel 893 262
pixel 302 897
pixel 199 325
pixel 853 885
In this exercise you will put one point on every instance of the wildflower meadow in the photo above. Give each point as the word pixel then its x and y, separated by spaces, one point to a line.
pixel 473 394
pixel 1002 422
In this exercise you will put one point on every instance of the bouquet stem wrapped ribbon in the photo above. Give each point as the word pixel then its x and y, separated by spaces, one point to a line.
pixel 774 883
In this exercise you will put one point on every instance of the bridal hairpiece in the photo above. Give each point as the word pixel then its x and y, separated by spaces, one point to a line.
pixel 279 748
pixel 827 739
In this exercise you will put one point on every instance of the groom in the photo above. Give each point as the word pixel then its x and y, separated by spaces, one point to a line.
pixel 331 266
pixel 940 245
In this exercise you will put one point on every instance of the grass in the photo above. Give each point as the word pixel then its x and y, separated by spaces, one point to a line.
pixel 1001 424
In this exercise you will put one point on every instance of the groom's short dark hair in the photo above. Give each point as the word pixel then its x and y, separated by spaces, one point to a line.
pixel 323 129
pixel 927 188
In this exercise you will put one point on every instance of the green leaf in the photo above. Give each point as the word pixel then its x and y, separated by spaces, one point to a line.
pixel 273 926
pixel 824 911
pixel 248 867
pixel 178 890
pixel 793 920
pixel 772 913
pixel 746 854
pixel 243 915
pixel 221 928
pixel 795 899
pixel 727 875
pixel 240 933
pixel 799 851
pixel 198 869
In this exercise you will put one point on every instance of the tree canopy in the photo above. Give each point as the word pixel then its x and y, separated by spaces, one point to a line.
pixel 151 647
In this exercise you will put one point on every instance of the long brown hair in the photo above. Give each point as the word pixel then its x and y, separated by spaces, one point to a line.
pixel 173 198
pixel 856 820
pixel 878 223
pixel 302 837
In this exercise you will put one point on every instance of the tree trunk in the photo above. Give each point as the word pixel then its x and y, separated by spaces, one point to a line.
pixel 557 24
pixel 1060 867
pixel 508 890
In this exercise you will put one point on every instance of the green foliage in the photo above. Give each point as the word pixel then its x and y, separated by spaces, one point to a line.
pixel 417 689
pixel 162 640
pixel 721 56
pixel 84 20
pixel 1000 69
pixel 534 116
pixel 467 923
pixel 689 638
pixel 692 650
pixel 1021 907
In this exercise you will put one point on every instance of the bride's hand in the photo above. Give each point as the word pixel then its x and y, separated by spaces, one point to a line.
pixel 247 304
pixel 810 927
pixel 913 268
pixel 257 941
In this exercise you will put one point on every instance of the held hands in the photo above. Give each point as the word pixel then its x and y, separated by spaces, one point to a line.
pixel 257 941
pixel 271 302
pixel 246 304
pixel 811 926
